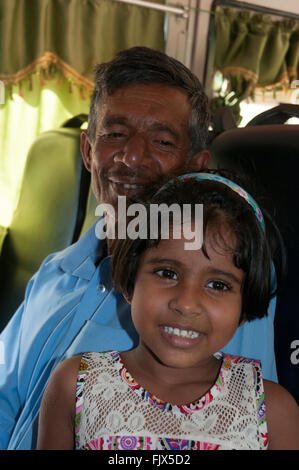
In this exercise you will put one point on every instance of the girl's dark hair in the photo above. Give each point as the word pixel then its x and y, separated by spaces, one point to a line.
pixel 259 253
pixel 142 65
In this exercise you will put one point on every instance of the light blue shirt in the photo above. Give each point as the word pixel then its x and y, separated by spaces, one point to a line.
pixel 70 307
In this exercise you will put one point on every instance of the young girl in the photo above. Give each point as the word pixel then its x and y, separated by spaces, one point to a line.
pixel 176 390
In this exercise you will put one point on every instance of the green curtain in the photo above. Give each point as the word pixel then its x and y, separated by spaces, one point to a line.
pixel 44 107
pixel 48 50
pixel 254 51
pixel 71 35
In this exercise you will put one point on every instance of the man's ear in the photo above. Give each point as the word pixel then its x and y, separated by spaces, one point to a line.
pixel 85 147
pixel 199 161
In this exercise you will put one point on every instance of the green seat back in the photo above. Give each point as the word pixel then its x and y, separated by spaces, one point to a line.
pixel 46 218
pixel 90 217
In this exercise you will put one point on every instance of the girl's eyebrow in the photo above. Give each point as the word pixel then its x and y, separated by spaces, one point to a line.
pixel 164 260
pixel 210 271
pixel 228 274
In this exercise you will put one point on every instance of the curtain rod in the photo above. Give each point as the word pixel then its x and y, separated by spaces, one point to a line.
pixel 157 6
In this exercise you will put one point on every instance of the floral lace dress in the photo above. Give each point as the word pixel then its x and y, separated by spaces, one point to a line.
pixel 113 412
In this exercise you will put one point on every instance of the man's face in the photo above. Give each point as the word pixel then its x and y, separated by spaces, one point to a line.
pixel 141 135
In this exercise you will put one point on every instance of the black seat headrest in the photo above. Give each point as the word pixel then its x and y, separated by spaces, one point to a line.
pixel 269 155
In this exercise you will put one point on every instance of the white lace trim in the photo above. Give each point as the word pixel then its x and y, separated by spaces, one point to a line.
pixel 110 407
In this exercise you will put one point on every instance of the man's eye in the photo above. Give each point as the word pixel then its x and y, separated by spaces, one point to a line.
pixel 218 285
pixel 114 135
pixel 167 274
pixel 164 143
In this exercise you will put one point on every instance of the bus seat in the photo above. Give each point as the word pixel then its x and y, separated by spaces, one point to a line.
pixel 50 212
pixel 90 217
pixel 269 153
pixel 3 233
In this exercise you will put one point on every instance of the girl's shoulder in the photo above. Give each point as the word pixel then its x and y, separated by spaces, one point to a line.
pixel 278 395
pixel 282 417
pixel 67 369
pixel 63 380
pixel 57 412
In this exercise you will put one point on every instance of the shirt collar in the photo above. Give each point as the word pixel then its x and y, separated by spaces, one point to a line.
pixel 80 258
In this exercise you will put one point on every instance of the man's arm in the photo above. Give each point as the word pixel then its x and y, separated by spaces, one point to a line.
pixel 10 400
pixel 13 385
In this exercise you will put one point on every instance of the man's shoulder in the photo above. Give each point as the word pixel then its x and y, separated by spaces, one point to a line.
pixel 71 257
pixel 57 287
pixel 55 261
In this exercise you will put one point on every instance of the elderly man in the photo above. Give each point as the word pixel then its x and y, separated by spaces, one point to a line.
pixel 148 118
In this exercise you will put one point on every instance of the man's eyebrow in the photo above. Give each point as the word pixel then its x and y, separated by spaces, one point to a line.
pixel 155 126
pixel 111 120
pixel 161 127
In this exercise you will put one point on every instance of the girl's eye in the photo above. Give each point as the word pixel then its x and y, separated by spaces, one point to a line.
pixel 218 285
pixel 167 273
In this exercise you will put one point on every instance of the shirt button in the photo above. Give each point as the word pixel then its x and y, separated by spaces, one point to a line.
pixel 101 288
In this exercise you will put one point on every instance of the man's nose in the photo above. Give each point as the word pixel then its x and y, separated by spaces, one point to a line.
pixel 187 300
pixel 134 152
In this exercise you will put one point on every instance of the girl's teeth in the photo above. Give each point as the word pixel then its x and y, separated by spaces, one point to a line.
pixel 183 333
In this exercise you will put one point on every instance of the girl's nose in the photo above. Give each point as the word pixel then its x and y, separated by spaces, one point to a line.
pixel 187 301
pixel 134 152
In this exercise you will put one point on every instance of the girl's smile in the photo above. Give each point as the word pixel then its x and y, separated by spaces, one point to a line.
pixel 180 337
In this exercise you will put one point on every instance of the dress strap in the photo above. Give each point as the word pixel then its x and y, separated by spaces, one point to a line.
pixel 260 402
pixel 258 386
pixel 79 395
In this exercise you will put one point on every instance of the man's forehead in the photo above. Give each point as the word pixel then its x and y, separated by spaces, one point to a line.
pixel 155 93
pixel 139 99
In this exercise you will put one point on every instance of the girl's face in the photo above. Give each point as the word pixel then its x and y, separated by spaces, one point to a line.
pixel 185 306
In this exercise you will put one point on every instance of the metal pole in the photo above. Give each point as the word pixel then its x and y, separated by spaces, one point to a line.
pixel 156 6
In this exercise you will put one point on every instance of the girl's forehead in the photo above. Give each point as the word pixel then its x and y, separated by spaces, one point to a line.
pixel 218 246
pixel 218 234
